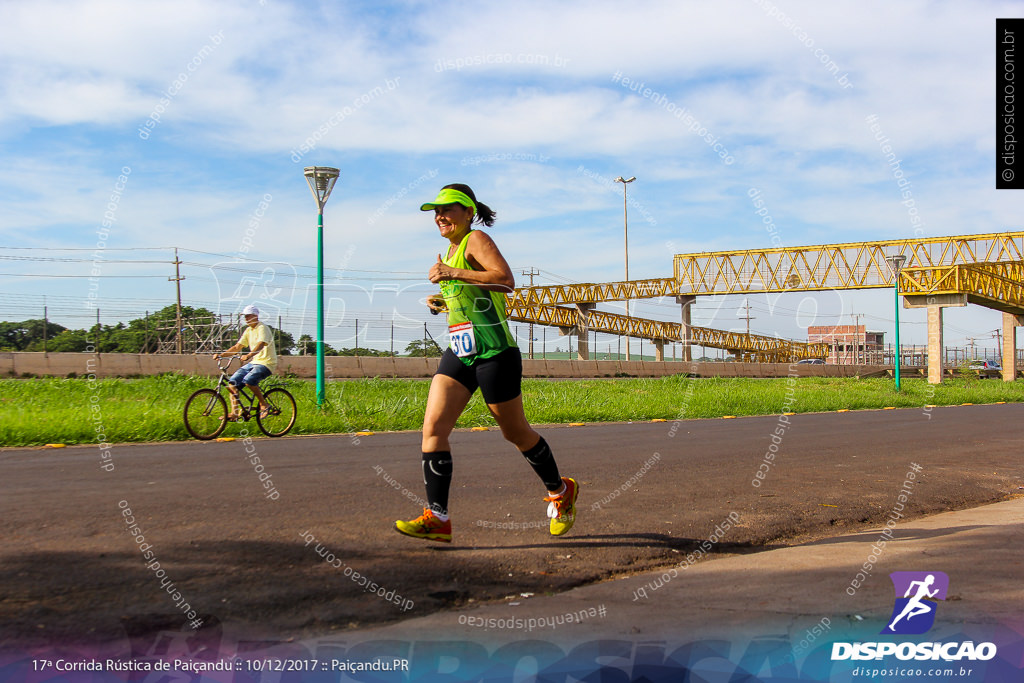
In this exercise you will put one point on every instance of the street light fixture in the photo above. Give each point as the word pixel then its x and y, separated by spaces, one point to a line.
pixel 896 263
pixel 321 181
pixel 625 225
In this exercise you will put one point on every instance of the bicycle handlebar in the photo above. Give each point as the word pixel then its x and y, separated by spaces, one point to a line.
pixel 227 365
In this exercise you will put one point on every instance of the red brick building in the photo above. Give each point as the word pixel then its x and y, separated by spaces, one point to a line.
pixel 848 344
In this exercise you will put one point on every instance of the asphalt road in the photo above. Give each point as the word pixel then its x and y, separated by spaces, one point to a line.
pixel 239 552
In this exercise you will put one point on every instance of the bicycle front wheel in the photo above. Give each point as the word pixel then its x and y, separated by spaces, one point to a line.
pixel 206 414
pixel 282 413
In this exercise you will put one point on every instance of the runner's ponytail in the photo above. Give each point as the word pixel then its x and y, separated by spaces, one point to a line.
pixel 484 213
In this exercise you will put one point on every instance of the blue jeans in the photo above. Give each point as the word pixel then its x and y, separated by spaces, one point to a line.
pixel 250 374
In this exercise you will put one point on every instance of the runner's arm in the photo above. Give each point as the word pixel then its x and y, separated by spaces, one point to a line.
pixel 490 269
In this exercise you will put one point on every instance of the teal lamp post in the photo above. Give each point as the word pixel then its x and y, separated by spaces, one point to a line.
pixel 321 181
pixel 896 263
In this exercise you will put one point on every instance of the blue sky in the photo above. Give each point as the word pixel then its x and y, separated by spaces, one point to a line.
pixel 530 103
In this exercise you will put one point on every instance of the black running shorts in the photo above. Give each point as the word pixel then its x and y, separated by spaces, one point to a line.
pixel 498 377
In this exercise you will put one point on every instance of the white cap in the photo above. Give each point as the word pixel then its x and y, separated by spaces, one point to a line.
pixel 251 310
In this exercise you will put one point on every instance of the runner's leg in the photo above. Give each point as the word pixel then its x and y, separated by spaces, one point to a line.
pixel 511 417
pixel 445 403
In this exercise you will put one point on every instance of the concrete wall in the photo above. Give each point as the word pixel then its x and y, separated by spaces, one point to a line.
pixel 126 365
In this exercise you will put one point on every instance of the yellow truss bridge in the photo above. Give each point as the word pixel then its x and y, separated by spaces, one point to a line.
pixel 983 269
pixel 993 285
pixel 853 265
pixel 747 347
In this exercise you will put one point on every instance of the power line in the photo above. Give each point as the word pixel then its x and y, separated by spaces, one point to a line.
pixel 51 259
pixel 90 248
pixel 232 257
pixel 52 275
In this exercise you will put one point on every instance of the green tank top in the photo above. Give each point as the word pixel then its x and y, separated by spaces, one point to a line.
pixel 477 325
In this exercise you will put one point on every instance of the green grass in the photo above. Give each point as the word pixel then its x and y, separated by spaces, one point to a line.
pixel 74 411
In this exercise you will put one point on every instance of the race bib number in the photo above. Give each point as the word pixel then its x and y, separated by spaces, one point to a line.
pixel 462 339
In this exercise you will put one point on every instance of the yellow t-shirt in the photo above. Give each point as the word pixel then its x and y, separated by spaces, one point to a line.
pixel 252 337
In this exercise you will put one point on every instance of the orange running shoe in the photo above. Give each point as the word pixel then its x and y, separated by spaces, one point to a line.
pixel 427 526
pixel 562 509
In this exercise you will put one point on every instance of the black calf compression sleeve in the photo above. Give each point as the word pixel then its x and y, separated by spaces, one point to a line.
pixel 543 463
pixel 437 476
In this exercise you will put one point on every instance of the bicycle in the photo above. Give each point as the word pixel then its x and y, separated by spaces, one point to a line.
pixel 206 410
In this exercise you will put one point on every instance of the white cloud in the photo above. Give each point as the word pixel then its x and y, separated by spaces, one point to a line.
pixel 533 79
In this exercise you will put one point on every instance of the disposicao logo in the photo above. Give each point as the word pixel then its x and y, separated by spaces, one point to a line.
pixel 913 613
pixel 916 593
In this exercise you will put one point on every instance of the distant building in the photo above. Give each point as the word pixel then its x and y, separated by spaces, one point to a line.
pixel 849 344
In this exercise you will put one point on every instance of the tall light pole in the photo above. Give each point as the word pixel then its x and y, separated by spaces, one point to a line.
pixel 321 181
pixel 533 271
pixel 896 263
pixel 625 226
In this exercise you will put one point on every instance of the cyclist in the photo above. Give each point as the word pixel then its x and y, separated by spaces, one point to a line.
pixel 259 363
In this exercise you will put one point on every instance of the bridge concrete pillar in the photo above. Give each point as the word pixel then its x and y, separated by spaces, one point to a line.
pixel 934 303
pixel 583 331
pixel 686 301
pixel 935 368
pixel 1009 361
pixel 659 350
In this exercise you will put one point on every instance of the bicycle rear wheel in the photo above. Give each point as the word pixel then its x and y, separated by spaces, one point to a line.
pixel 206 414
pixel 282 415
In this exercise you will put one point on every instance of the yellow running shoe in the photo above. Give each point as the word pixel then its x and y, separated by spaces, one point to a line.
pixel 562 509
pixel 428 526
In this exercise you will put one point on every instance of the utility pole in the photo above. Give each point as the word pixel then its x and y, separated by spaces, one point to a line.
pixel 999 344
pixel 971 345
pixel 856 336
pixel 748 317
pixel 177 314
pixel 531 273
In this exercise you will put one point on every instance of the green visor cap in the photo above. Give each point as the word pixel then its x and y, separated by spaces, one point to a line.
pixel 450 196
